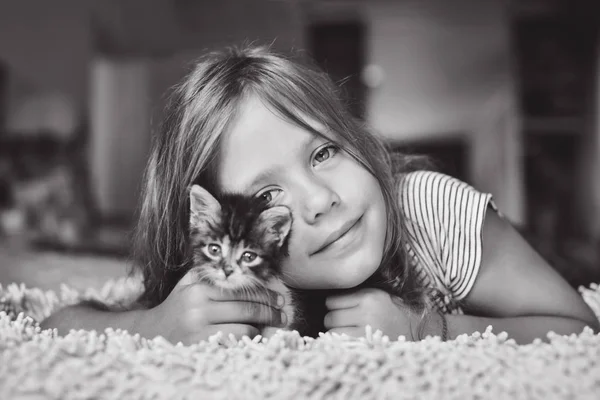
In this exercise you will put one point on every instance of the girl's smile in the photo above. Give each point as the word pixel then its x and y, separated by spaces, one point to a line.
pixel 339 226
pixel 341 239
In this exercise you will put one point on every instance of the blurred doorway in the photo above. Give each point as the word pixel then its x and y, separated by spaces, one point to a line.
pixel 3 95
pixel 448 155
pixel 338 48
pixel 556 62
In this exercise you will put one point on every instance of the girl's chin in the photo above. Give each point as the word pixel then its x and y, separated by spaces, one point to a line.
pixel 345 275
pixel 350 283
pixel 337 282
pixel 359 270
pixel 351 276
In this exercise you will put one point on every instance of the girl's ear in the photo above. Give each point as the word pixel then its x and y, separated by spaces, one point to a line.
pixel 274 224
pixel 202 205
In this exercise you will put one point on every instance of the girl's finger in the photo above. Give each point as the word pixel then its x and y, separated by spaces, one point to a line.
pixel 340 301
pixel 346 317
pixel 262 296
pixel 190 278
pixel 244 312
pixel 258 295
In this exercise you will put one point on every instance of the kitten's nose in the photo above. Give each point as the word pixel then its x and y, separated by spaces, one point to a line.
pixel 228 270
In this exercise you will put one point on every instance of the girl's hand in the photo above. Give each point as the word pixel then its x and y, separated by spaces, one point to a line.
pixel 193 311
pixel 350 313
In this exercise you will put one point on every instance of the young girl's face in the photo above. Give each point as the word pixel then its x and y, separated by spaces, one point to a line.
pixel 339 226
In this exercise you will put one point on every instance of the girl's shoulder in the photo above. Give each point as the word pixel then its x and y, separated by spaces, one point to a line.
pixel 443 219
pixel 414 181
pixel 437 192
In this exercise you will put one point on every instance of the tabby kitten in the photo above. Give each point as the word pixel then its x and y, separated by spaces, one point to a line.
pixel 239 243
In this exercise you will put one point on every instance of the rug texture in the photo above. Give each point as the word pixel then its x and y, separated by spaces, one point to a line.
pixel 36 364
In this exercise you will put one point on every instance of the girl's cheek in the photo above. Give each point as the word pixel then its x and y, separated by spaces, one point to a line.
pixel 294 262
pixel 294 254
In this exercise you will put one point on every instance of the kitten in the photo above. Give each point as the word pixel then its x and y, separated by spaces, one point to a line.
pixel 239 243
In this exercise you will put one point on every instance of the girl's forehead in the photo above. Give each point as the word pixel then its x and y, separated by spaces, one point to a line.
pixel 259 144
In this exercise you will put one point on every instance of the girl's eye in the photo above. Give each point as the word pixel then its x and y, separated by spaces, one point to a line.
pixel 270 195
pixel 325 153
pixel 214 249
pixel 248 257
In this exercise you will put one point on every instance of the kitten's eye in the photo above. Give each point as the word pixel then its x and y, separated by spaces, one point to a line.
pixel 269 196
pixel 214 249
pixel 325 153
pixel 248 257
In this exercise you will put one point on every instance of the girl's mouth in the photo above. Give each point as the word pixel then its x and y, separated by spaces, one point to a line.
pixel 341 238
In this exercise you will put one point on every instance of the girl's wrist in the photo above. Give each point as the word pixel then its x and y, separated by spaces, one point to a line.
pixel 81 316
pixel 435 324
pixel 444 328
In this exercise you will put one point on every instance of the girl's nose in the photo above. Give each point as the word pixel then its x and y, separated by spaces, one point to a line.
pixel 319 198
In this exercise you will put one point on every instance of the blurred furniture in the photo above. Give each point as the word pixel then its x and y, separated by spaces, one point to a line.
pixel 45 197
pixel 556 45
pixel 556 62
pixel 449 155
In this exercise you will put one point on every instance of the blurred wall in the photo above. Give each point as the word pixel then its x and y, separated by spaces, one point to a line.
pixel 49 44
pixel 440 59
pixel 161 28
pixel 120 120
pixel 444 68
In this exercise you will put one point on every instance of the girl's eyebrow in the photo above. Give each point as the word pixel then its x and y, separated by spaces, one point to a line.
pixel 273 170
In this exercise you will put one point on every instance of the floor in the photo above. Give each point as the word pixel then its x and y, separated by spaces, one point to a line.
pixel 47 269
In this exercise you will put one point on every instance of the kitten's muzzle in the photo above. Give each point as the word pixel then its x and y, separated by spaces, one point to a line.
pixel 228 270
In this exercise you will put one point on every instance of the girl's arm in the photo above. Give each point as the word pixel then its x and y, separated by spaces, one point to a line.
pixel 92 317
pixel 193 311
pixel 517 291
pixel 522 329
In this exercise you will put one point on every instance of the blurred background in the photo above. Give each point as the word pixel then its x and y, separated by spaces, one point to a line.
pixel 503 94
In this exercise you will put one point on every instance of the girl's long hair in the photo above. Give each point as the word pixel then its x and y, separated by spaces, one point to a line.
pixel 185 151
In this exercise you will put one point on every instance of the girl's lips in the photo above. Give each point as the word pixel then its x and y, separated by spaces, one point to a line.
pixel 339 237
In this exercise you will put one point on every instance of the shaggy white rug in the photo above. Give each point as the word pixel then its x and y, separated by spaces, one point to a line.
pixel 37 364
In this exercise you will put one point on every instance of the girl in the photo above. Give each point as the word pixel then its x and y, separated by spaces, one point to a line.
pixel 255 122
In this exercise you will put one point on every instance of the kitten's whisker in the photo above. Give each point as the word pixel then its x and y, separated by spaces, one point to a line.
pixel 291 278
pixel 245 291
pixel 255 287
pixel 262 289
pixel 198 274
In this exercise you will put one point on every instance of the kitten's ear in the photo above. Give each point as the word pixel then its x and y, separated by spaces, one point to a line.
pixel 202 204
pixel 275 224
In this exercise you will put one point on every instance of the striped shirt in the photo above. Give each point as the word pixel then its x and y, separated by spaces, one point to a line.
pixel 444 220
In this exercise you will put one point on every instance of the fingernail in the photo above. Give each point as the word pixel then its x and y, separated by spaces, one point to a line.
pixel 280 301
pixel 283 319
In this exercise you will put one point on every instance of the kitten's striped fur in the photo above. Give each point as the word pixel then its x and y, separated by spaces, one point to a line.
pixel 238 243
